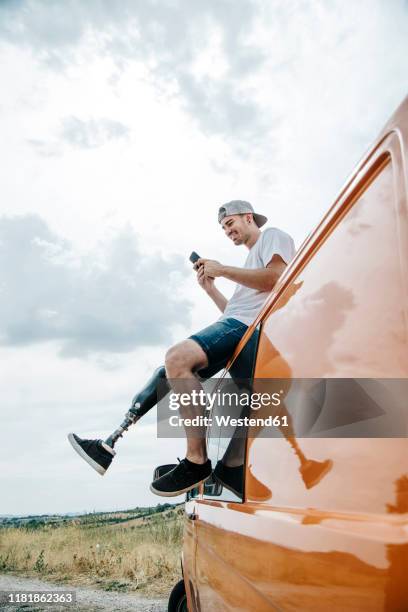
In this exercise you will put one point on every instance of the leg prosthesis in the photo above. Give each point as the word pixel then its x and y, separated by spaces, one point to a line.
pixel 155 389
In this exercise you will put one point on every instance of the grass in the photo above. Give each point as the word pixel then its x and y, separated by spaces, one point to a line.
pixel 142 554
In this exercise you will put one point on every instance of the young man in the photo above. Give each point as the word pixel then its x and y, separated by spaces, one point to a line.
pixel 208 351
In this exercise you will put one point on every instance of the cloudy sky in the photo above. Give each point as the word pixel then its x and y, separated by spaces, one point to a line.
pixel 124 125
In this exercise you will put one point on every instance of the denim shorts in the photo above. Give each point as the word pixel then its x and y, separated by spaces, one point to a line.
pixel 219 342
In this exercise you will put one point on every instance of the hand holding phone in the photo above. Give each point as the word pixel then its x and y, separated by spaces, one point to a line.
pixel 194 257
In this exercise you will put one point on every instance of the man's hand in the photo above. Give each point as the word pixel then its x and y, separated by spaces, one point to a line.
pixel 211 268
pixel 206 282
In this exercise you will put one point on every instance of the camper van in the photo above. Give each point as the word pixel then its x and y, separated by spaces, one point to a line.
pixel 320 519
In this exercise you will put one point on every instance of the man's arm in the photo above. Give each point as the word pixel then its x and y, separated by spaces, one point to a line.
pixel 207 283
pixel 218 298
pixel 262 279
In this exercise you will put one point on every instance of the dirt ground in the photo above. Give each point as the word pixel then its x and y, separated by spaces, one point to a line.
pixel 87 600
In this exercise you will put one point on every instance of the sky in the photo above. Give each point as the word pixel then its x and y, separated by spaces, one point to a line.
pixel 124 126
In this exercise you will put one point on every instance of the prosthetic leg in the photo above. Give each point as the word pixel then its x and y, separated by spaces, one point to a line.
pixel 98 453
pixel 143 401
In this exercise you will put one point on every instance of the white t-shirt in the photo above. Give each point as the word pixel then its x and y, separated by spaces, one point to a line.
pixel 245 303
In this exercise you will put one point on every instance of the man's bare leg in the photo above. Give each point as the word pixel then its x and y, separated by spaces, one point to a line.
pixel 182 360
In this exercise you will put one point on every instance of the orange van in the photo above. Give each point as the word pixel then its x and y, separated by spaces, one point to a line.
pixel 321 522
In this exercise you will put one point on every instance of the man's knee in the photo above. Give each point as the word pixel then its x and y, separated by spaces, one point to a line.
pixel 176 362
pixel 184 358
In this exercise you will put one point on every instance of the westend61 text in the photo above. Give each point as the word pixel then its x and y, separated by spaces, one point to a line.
pixel 207 400
pixel 227 421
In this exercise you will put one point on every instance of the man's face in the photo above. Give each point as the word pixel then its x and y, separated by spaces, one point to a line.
pixel 238 227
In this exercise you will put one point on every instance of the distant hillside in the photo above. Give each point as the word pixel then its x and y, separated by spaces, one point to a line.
pixel 91 518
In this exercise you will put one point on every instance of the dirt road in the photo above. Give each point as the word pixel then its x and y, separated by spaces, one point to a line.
pixel 87 600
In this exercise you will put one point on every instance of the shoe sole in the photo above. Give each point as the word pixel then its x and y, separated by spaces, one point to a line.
pixel 98 468
pixel 174 493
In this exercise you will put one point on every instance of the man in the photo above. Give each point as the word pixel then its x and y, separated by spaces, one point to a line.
pixel 207 352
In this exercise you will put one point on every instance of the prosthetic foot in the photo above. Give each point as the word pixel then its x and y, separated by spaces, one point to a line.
pixel 98 453
pixel 130 418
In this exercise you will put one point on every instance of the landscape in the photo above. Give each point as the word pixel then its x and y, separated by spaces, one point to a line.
pixel 123 551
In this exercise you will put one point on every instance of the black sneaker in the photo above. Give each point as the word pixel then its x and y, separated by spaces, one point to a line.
pixel 95 452
pixel 185 476
pixel 232 478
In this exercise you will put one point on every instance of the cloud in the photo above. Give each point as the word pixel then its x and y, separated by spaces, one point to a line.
pixel 112 301
pixel 45 148
pixel 237 67
pixel 201 48
pixel 93 132
pixel 80 134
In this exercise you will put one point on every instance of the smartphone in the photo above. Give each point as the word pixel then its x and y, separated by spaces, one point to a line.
pixel 194 257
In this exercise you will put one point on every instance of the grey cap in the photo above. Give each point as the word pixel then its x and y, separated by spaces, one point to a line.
pixel 240 207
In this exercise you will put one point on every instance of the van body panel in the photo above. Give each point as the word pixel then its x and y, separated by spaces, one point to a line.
pixel 340 310
pixel 189 555
pixel 344 313
pixel 255 558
